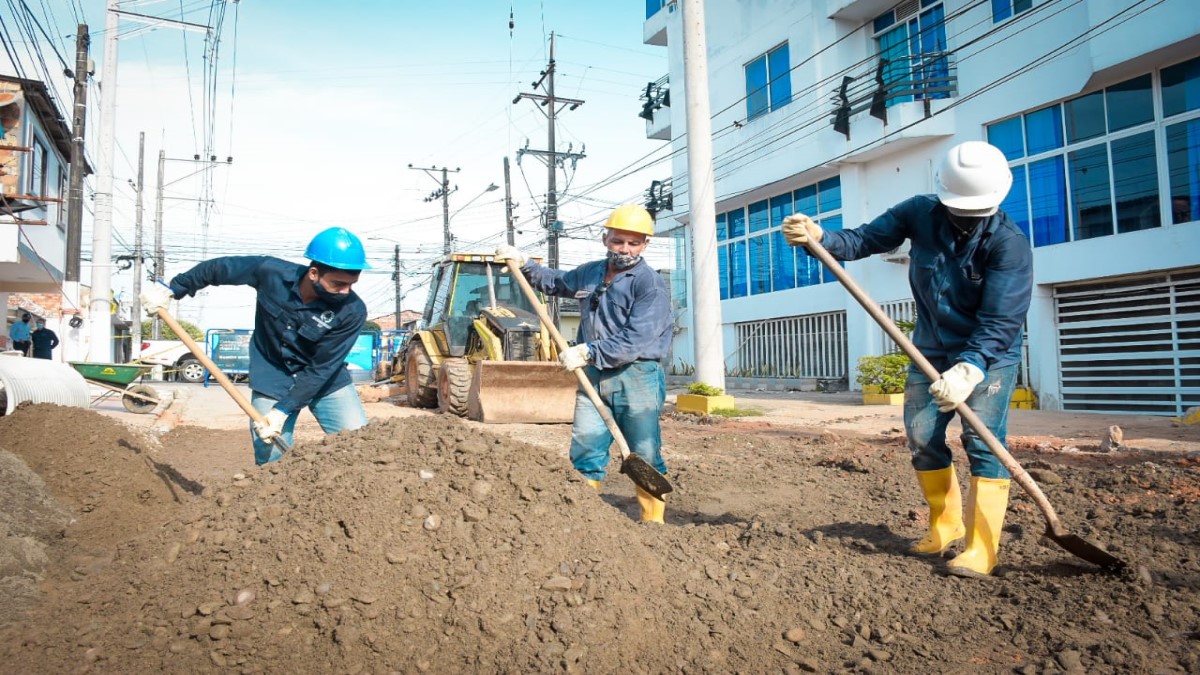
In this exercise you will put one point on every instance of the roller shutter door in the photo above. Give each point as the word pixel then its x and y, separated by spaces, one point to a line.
pixel 1130 345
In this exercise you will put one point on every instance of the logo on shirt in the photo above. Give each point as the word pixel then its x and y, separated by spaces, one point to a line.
pixel 579 295
pixel 325 320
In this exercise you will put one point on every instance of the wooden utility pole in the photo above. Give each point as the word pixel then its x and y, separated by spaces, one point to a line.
pixel 443 193
pixel 78 127
pixel 135 330
pixel 159 263
pixel 508 206
pixel 553 158
pixel 396 281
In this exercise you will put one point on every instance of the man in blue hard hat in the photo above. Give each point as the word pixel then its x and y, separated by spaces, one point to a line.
pixel 306 321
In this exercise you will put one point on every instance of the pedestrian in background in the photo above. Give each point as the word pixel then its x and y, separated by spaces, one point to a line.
pixel 43 340
pixel 624 334
pixel 972 279
pixel 306 321
pixel 18 333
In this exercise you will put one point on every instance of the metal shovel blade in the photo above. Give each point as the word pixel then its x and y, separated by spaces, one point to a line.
pixel 1081 548
pixel 645 476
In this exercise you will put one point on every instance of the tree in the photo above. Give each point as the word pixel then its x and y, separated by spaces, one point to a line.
pixel 371 325
pixel 167 334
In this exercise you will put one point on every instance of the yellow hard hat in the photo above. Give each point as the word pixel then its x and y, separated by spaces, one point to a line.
pixel 631 218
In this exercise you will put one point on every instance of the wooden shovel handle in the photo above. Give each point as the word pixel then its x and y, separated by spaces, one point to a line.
pixel 1023 479
pixel 584 382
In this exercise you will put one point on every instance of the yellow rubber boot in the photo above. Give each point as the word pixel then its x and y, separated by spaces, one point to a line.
pixel 986 504
pixel 594 483
pixel 653 510
pixel 945 510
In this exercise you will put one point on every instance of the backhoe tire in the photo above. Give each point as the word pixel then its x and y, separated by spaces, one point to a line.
pixel 454 385
pixel 420 380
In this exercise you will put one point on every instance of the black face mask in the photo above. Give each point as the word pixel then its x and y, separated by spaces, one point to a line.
pixel 329 297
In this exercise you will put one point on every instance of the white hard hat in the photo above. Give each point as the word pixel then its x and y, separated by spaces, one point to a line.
pixel 973 179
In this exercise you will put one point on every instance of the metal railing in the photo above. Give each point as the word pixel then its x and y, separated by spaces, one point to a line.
pixel 657 95
pixel 877 87
pixel 807 346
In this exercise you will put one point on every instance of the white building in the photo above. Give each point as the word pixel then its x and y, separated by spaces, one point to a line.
pixel 1095 102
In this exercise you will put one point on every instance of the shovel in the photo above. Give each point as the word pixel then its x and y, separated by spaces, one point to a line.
pixel 639 470
pixel 1073 544
pixel 221 378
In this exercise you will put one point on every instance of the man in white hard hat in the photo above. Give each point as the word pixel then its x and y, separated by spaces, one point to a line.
pixel 972 278
pixel 624 334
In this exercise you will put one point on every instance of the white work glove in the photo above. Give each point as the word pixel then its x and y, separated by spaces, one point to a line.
pixel 156 296
pixel 799 228
pixel 273 425
pixel 511 254
pixel 575 357
pixel 955 386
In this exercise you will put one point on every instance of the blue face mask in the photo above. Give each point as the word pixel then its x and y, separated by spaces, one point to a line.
pixel 329 297
pixel 623 261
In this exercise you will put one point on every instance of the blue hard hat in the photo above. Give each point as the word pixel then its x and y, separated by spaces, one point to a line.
pixel 337 247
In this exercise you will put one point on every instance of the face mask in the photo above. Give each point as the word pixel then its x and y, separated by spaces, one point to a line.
pixel 329 297
pixel 40 326
pixel 964 224
pixel 623 261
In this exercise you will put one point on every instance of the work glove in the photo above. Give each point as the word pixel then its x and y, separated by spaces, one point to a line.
pixel 799 228
pixel 272 426
pixel 156 296
pixel 575 357
pixel 511 254
pixel 955 385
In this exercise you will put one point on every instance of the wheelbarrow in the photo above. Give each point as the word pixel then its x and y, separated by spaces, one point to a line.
pixel 119 378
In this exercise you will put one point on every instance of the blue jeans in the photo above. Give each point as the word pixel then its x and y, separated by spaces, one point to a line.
pixel 926 426
pixel 340 410
pixel 635 394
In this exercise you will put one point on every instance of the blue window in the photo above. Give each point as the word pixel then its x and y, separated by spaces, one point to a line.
pixel 760 264
pixel 768 82
pixel 760 217
pixel 723 270
pixel 830 191
pixel 652 7
pixel 1084 117
pixel 1003 9
pixel 1007 136
pixel 1048 201
pixel 1091 200
pixel 1181 87
pixel 830 224
pixel 737 223
pixel 806 200
pixel 1183 169
pixel 737 269
pixel 1016 204
pixel 915 54
pixel 1130 103
pixel 722 227
pixel 1044 129
pixel 783 262
pixel 1135 182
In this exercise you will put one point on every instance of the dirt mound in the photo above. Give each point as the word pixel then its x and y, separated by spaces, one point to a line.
pixel 429 545
pixel 30 520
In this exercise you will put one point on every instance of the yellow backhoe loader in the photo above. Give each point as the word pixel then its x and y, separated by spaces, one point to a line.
pixel 481 352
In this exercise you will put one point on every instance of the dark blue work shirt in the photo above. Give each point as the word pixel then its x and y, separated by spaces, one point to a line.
pixel 971 297
pixel 631 319
pixel 298 352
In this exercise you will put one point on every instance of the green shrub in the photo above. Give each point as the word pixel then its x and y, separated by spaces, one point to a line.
pixel 887 372
pixel 737 412
pixel 701 389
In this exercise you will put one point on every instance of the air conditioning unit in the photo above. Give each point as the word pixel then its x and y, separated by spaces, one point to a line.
pixel 898 255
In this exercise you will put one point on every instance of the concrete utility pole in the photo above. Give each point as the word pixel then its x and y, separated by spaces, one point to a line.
pixel 553 159
pixel 100 350
pixel 706 315
pixel 443 193
pixel 159 266
pixel 135 331
pixel 508 207
pixel 75 190
pixel 396 280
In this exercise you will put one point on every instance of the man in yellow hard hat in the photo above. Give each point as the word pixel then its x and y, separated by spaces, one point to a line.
pixel 624 335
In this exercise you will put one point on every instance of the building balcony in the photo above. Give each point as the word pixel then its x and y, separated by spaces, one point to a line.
pixel 656 104
pixel 654 32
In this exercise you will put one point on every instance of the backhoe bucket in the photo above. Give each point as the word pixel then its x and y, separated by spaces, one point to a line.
pixel 533 392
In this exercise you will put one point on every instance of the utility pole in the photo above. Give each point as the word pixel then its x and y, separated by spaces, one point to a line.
pixel 159 266
pixel 706 313
pixel 135 331
pixel 443 193
pixel 508 206
pixel 78 127
pixel 553 159
pixel 100 349
pixel 396 280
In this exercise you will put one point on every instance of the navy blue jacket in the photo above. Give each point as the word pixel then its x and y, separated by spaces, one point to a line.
pixel 971 300
pixel 298 352
pixel 631 320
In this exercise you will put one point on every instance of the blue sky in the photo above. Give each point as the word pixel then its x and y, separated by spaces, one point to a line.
pixel 327 107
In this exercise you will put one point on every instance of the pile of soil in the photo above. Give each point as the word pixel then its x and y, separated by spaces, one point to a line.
pixel 426 544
